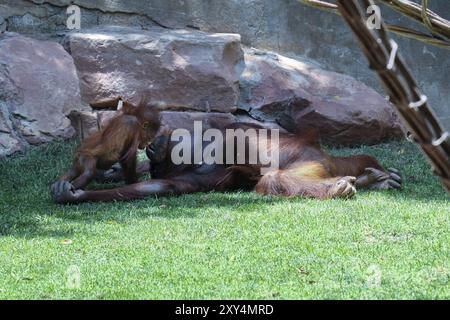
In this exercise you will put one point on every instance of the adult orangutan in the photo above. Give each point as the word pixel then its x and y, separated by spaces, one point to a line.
pixel 305 170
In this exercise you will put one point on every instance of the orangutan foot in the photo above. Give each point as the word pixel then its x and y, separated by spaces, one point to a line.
pixel 343 188
pixel 380 180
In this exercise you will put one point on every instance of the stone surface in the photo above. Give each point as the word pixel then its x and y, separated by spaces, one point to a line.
pixel 171 119
pixel 276 91
pixel 10 143
pixel 38 89
pixel 85 123
pixel 185 120
pixel 187 70
pixel 270 125
pixel 284 26
pixel 300 96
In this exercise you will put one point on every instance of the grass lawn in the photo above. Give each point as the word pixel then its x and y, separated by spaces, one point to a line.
pixel 393 245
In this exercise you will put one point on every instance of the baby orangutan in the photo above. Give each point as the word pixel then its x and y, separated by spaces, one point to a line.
pixel 133 128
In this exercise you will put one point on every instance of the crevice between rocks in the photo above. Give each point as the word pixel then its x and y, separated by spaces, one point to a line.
pixel 98 10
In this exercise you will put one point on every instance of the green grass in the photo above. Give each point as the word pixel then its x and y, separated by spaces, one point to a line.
pixel 235 245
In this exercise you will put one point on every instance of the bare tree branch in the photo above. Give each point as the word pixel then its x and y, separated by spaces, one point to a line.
pixel 438 26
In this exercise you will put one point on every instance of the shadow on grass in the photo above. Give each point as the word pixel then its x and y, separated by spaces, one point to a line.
pixel 30 221
pixel 27 211
pixel 30 225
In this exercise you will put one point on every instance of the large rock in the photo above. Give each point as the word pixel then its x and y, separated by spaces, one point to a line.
pixel 283 26
pixel 188 70
pixel 168 66
pixel 300 96
pixel 185 120
pixel 10 143
pixel 38 89
pixel 88 122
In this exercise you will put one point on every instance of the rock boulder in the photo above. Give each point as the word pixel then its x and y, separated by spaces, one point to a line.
pixel 38 89
pixel 187 70
pixel 301 96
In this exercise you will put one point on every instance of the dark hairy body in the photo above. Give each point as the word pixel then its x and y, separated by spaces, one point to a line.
pixel 305 170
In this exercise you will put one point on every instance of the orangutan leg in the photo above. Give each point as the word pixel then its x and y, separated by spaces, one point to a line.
pixel 69 175
pixel 300 182
pixel 369 173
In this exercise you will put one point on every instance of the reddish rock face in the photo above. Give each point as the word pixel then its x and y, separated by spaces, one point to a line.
pixel 194 75
pixel 92 121
pixel 185 120
pixel 195 71
pixel 85 123
pixel 300 96
pixel 187 70
pixel 171 119
pixel 38 89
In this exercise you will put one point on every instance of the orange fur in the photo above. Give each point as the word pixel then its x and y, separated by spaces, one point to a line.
pixel 133 127
pixel 308 179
